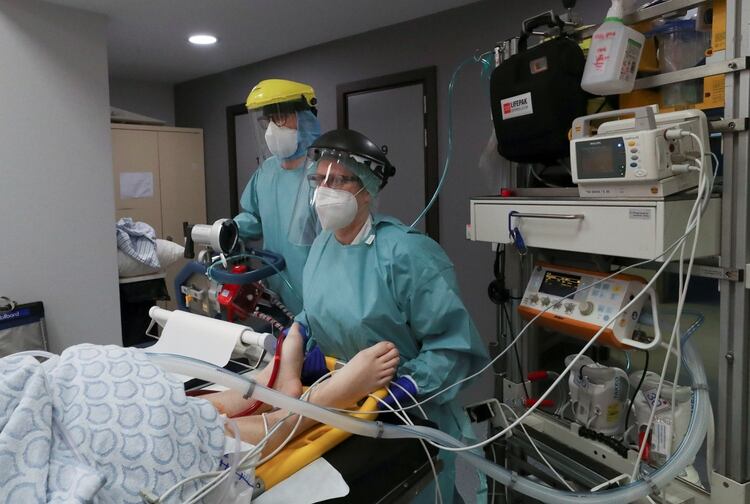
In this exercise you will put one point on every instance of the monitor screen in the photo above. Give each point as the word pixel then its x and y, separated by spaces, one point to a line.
pixel 603 158
pixel 559 284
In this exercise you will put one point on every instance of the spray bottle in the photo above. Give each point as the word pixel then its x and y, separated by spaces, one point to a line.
pixel 614 55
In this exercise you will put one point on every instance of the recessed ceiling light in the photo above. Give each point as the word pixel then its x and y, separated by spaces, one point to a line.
pixel 202 39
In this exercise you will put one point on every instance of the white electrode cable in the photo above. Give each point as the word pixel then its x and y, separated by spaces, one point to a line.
pixel 290 436
pixel 700 198
pixel 702 186
pixel 690 226
pixel 533 444
pixel 523 330
pixel 405 418
pixel 703 183
pixel 222 475
pixel 556 382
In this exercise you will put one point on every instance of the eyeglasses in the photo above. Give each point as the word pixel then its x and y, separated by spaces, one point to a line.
pixel 332 181
pixel 279 120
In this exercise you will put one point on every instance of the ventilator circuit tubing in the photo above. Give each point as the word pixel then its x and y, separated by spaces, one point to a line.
pixel 683 456
pixel 449 154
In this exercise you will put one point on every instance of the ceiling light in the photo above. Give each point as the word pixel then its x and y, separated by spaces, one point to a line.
pixel 202 39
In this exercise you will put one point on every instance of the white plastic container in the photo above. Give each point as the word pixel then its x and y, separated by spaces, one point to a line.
pixel 614 55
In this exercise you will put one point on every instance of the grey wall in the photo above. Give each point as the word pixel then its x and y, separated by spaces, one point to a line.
pixel 153 99
pixel 56 198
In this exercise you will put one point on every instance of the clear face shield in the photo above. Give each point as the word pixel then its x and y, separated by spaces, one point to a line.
pixel 284 130
pixel 328 170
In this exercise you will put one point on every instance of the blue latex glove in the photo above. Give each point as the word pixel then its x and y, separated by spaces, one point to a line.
pixel 314 366
pixel 398 391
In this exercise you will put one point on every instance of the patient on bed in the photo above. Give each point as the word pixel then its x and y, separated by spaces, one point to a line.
pixel 104 422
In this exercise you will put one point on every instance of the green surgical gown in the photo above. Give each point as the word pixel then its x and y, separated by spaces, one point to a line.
pixel 267 205
pixel 401 288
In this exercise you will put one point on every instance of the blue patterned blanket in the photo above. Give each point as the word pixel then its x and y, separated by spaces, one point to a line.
pixel 100 423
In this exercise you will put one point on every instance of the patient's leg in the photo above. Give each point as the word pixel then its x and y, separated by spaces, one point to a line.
pixel 368 371
pixel 288 381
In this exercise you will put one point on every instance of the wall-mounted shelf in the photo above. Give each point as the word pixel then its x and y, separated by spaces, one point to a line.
pixel 669 7
pixel 687 74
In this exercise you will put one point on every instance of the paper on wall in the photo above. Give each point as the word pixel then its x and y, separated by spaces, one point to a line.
pixel 134 185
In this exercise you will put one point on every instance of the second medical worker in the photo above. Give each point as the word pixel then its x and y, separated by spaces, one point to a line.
pixel 284 119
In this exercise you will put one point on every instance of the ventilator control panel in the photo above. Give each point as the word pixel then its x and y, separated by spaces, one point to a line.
pixel 579 303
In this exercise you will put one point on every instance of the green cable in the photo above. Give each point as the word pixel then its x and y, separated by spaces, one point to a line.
pixel 486 65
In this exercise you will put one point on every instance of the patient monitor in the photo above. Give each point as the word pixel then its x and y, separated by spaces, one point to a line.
pixel 634 158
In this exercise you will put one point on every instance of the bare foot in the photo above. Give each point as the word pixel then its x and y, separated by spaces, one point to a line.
pixel 231 402
pixel 369 370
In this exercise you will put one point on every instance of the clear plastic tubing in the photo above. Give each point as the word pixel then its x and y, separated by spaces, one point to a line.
pixel 204 371
pixel 683 456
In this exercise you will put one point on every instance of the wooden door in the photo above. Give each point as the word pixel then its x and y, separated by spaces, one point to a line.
pixel 183 189
pixel 135 158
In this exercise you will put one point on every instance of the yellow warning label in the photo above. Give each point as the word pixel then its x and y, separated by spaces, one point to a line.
pixel 613 411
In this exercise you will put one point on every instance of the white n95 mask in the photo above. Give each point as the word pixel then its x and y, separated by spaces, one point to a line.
pixel 281 141
pixel 336 208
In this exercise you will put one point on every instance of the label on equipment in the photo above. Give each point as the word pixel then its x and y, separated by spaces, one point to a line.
pixel 613 413
pixel 538 65
pixel 515 106
pixel 602 46
pixel 650 396
pixel 661 436
pixel 23 312
pixel 640 213
pixel 630 61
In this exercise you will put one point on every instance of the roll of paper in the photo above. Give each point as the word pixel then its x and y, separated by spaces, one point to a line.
pixel 199 337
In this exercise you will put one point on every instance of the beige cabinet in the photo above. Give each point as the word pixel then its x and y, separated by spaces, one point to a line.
pixel 160 179
pixel 135 158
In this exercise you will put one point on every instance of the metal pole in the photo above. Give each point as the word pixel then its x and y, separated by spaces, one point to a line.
pixel 733 411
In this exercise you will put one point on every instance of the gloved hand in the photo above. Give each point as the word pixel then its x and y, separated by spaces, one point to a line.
pixel 398 391
pixel 314 366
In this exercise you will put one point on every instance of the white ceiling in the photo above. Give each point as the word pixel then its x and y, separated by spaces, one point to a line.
pixel 148 38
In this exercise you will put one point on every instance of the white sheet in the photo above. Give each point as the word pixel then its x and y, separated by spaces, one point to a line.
pixel 315 482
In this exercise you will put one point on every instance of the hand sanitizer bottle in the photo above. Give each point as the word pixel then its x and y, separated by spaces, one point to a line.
pixel 614 55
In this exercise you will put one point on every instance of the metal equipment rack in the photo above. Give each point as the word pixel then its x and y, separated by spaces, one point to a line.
pixel 730 481
pixel 732 449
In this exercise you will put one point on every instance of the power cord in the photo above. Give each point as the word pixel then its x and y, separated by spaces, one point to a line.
pixel 496 290
pixel 635 393
pixel 518 356
pixel 500 295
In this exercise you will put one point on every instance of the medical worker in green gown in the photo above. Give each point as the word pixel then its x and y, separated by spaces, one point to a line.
pixel 284 120
pixel 370 278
